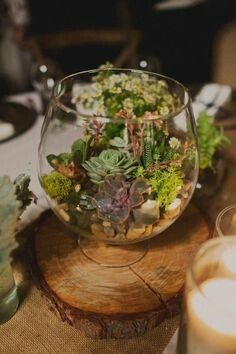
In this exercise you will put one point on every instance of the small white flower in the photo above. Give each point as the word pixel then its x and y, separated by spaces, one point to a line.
pixel 174 143
pixel 128 104
pixel 164 110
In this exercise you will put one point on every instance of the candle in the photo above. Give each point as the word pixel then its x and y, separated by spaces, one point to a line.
pixel 211 315
pixel 228 261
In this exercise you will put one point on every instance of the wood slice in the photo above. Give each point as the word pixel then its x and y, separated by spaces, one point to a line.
pixel 116 302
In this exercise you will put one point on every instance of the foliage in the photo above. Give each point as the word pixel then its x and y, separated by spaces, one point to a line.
pixel 113 130
pixel 118 198
pixel 158 147
pixel 113 92
pixel 22 191
pixel 14 197
pixel 110 162
pixel 210 138
pixel 165 183
pixel 57 186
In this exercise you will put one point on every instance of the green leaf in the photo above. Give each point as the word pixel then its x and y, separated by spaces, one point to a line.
pixel 10 210
pixel 78 145
pixel 82 146
pixel 64 158
pixel 52 159
pixel 113 130
pixel 210 139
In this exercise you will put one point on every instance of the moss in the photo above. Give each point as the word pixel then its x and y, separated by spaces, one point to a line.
pixel 166 185
pixel 57 186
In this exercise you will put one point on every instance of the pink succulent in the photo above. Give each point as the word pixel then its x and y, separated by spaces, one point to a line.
pixel 119 197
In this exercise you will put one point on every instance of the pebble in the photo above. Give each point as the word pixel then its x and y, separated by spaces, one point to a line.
pixel 77 187
pixel 97 230
pixel 106 223
pixel 148 231
pixel 109 231
pixel 173 209
pixel 135 232
pixel 64 214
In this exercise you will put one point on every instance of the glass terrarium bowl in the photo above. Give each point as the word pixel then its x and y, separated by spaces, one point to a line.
pixel 118 157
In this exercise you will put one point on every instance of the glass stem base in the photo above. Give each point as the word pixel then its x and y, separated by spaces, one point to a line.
pixel 108 255
pixel 8 305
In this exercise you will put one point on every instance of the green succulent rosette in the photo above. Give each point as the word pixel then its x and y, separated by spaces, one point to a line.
pixel 110 162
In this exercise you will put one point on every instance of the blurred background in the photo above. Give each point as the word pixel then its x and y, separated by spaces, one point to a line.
pixel 193 41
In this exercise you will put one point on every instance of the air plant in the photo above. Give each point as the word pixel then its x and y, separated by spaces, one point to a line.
pixel 119 197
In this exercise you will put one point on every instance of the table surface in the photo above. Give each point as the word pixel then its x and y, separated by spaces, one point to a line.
pixel 35 329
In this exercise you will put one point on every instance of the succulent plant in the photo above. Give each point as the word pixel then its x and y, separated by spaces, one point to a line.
pixel 110 162
pixel 119 197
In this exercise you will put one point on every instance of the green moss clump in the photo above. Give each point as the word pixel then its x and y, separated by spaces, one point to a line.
pixel 57 186
pixel 166 185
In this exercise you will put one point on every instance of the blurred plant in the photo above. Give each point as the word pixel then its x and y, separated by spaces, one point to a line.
pixel 119 197
pixel 210 138
pixel 14 197
pixel 110 162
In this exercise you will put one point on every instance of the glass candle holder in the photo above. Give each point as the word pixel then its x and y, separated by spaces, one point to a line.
pixel 9 300
pixel 226 222
pixel 208 323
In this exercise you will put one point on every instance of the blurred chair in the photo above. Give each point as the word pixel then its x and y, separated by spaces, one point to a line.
pixel 224 56
pixel 127 38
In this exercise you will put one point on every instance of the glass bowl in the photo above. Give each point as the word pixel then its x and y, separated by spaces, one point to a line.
pixel 118 156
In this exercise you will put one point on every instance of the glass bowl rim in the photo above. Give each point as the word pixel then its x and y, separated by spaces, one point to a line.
pixel 56 98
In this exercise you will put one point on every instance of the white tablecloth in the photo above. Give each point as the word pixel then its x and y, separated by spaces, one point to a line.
pixel 20 155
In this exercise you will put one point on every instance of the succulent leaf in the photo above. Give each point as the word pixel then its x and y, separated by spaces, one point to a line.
pixel 110 162
pixel 118 198
pixel 14 197
pixel 140 185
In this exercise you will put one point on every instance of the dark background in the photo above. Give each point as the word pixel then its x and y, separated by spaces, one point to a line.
pixel 181 40
pixel 178 42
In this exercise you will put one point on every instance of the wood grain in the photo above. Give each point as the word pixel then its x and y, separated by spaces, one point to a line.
pixel 116 302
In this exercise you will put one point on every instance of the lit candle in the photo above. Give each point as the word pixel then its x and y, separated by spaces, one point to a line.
pixel 228 261
pixel 211 315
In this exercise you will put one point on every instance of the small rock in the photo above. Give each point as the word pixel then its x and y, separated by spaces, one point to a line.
pixel 120 228
pixel 120 236
pixel 135 232
pixel 77 187
pixel 65 216
pixel 148 231
pixel 106 223
pixel 173 209
pixel 109 231
pixel 94 218
pixel 79 209
pixel 97 230
pixel 148 213
pixel 63 206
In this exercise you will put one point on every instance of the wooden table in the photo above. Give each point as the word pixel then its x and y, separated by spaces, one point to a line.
pixel 35 329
